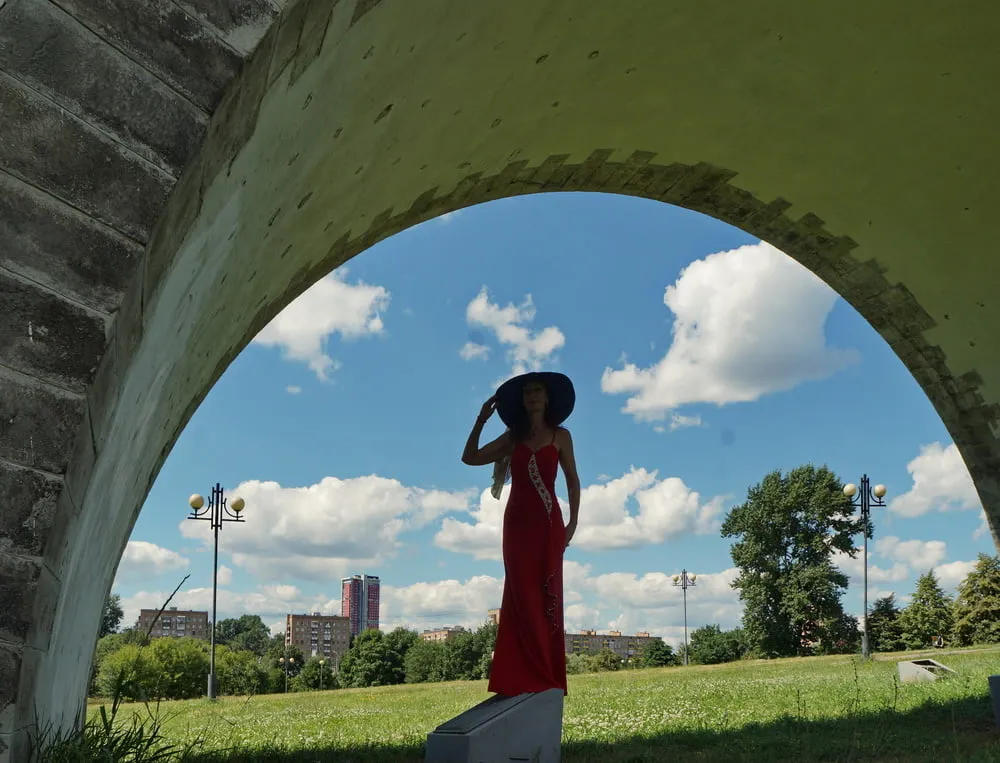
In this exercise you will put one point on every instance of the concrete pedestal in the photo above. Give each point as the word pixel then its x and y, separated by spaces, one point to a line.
pixel 527 727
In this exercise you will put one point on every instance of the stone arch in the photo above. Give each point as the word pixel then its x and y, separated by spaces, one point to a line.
pixel 356 119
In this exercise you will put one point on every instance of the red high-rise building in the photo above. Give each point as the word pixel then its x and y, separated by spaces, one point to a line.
pixel 359 602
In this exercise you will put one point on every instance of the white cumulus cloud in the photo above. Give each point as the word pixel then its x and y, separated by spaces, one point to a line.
pixel 330 306
pixel 918 554
pixel 323 531
pixel 941 482
pixel 143 560
pixel 748 322
pixel 949 575
pixel 527 350
pixel 431 605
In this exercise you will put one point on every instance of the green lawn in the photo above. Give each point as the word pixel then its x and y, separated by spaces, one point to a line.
pixel 814 709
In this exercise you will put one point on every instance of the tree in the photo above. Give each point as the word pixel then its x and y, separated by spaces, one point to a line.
pixel 400 641
pixel 884 634
pixel 240 672
pixel 245 632
pixel 425 662
pixel 462 657
pixel 787 532
pixel 369 662
pixel 130 674
pixel 977 608
pixel 183 667
pixel 605 660
pixel 111 615
pixel 655 653
pixel 710 645
pixel 928 614
pixel 315 675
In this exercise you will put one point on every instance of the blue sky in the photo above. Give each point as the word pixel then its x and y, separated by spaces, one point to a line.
pixel 702 360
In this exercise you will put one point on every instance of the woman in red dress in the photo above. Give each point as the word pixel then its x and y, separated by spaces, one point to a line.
pixel 530 652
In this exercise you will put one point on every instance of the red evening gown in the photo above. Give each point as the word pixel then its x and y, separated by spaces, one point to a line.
pixel 530 652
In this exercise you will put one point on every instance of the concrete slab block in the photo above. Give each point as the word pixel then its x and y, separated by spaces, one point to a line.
pixel 500 730
pixel 922 670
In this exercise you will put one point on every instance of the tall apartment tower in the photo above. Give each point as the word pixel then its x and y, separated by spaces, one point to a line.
pixel 359 600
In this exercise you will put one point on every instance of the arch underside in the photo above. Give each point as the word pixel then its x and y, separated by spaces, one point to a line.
pixel 352 121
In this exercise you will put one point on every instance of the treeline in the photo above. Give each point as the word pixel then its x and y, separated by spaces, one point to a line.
pixel 250 661
pixel 785 539
pixel 931 619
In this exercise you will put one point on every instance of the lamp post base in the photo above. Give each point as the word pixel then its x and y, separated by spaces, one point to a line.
pixel 213 686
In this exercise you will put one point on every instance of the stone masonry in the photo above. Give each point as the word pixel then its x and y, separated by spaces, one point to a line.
pixel 129 133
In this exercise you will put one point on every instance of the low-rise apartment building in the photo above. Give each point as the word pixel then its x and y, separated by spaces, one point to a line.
pixel 173 623
pixel 319 635
pixel 590 641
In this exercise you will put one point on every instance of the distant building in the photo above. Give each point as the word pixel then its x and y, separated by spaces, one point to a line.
pixel 443 634
pixel 493 616
pixel 359 602
pixel 319 635
pixel 590 641
pixel 173 623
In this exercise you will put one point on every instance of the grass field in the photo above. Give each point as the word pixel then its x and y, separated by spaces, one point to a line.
pixel 813 709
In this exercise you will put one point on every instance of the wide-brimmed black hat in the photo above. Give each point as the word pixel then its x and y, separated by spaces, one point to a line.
pixel 562 396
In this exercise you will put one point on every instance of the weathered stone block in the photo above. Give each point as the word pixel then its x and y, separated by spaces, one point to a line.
pixel 129 322
pixel 314 26
pixel 289 32
pixel 162 37
pixel 103 391
pixel 99 84
pixel 58 545
pixel 66 157
pixel 10 673
pixel 82 458
pixel 51 243
pixel 38 423
pixel 173 226
pixel 18 583
pixel 242 22
pixel 47 337
pixel 27 509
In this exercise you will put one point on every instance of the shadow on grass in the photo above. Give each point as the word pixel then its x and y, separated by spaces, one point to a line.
pixel 960 731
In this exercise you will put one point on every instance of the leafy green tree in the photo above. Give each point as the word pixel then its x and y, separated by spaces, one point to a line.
pixel 183 667
pixel 245 632
pixel 314 675
pixel 786 534
pixel 884 633
pixel 462 657
pixel 605 660
pixel 656 653
pixel 130 673
pixel 240 673
pixel 111 615
pixel 577 663
pixel 400 641
pixel 369 662
pixel 425 662
pixel 928 615
pixel 710 645
pixel 977 608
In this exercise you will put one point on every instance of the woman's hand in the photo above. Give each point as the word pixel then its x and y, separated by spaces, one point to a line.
pixel 570 531
pixel 487 410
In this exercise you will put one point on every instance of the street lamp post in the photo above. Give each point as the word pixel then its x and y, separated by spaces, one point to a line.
pixel 867 497
pixel 215 511
pixel 685 581
pixel 286 664
pixel 322 670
